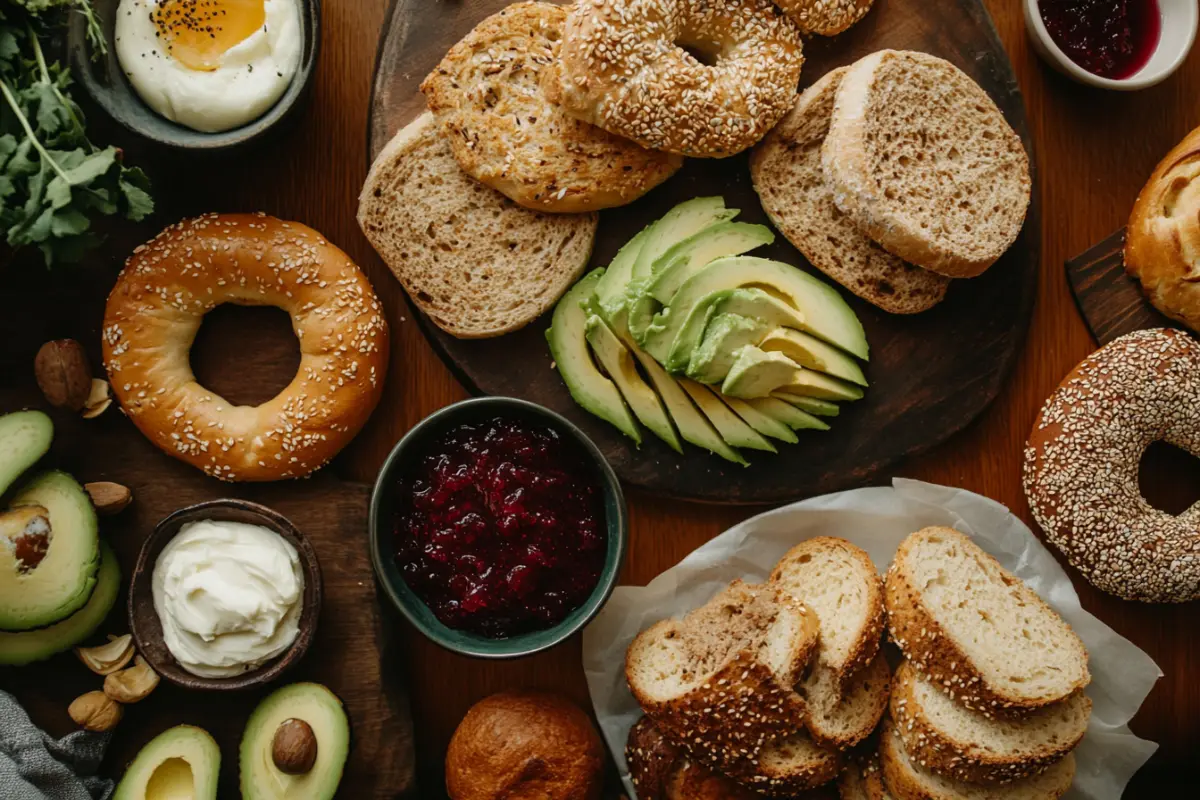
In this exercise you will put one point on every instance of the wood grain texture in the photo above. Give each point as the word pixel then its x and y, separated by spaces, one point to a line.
pixel 1096 150
pixel 969 342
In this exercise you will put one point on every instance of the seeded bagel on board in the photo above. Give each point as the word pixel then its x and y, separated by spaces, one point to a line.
pixel 486 94
pixel 825 17
pixel 156 308
pixel 624 68
pixel 1082 461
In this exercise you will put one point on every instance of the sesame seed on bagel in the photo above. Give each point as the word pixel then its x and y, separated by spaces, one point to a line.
pixel 625 69
pixel 1082 460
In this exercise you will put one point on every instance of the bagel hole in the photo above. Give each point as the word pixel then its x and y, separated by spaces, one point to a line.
pixel 1169 478
pixel 707 57
pixel 246 354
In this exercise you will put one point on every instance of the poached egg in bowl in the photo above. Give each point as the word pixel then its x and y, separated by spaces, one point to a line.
pixel 211 65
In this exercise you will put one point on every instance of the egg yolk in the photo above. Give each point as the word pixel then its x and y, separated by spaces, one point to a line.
pixel 196 33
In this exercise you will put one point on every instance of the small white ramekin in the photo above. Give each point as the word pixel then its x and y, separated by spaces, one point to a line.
pixel 1179 18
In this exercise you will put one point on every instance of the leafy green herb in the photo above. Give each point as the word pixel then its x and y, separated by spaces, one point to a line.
pixel 53 180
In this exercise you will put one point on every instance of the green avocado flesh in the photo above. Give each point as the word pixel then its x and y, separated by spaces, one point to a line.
pixel 723 339
pixel 618 363
pixel 752 304
pixel 688 257
pixel 757 373
pixel 733 429
pixel 181 763
pixel 568 345
pixel 65 577
pixel 811 405
pixel 25 437
pixel 322 710
pixel 761 421
pixel 29 646
pixel 809 351
pixel 790 415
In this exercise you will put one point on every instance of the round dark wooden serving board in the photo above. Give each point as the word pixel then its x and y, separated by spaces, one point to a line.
pixel 930 374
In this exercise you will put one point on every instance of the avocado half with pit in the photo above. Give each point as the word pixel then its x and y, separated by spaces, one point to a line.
pixel 262 778
pixel 25 437
pixel 26 647
pixel 182 762
pixel 49 552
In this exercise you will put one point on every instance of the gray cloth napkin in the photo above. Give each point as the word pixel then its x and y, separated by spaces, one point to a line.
pixel 34 766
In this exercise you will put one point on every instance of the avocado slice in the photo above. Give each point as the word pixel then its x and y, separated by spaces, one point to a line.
pixel 820 408
pixel 567 337
pixel 610 289
pixel 36 645
pixel 822 311
pixel 322 710
pixel 757 373
pixel 733 429
pixel 791 416
pixel 686 258
pixel 25 437
pixel 762 422
pixel 725 335
pixel 810 383
pixel 183 762
pixel 809 351
pixel 62 581
pixel 681 222
pixel 618 363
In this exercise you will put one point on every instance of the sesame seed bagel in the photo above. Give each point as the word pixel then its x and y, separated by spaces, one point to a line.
pixel 486 93
pixel 155 311
pixel 825 17
pixel 1082 460
pixel 624 69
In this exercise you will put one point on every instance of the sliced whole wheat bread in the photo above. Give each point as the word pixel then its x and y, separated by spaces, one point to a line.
pixel 787 767
pixel 923 161
pixel 825 17
pixel 487 95
pixel 786 171
pixel 720 680
pixel 967 746
pixel 840 719
pixel 976 630
pixel 862 779
pixel 837 581
pixel 907 780
pixel 473 261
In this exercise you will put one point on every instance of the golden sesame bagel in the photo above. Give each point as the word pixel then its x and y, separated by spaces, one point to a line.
pixel 625 69
pixel 155 311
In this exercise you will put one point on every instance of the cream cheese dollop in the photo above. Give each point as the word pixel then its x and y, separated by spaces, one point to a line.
pixel 228 595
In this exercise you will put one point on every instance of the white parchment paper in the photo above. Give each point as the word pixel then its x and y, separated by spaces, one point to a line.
pixel 877 520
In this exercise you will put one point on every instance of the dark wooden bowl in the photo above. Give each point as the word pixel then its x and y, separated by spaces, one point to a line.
pixel 147 629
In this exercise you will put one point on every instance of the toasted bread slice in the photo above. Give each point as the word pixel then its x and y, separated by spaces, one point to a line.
pixel 925 164
pixel 787 767
pixel 965 745
pixel 841 719
pixel 473 261
pixel 487 95
pixel 862 779
pixel 837 581
pixel 720 680
pixel 825 17
pixel 976 630
pixel 786 171
pixel 907 780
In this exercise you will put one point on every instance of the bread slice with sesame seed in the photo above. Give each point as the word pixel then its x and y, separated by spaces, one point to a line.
pixel 840 719
pixel 965 745
pixel 786 171
pixel 862 779
pixel 720 680
pixel 787 767
pixel 838 582
pixel 907 780
pixel 487 95
pixel 976 630
pixel 825 17
pixel 476 263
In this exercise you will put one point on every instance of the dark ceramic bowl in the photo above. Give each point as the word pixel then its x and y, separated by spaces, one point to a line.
pixel 104 80
pixel 147 629
pixel 383 507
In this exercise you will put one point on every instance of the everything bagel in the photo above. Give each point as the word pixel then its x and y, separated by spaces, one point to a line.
pixel 155 311
pixel 624 68
pixel 1082 460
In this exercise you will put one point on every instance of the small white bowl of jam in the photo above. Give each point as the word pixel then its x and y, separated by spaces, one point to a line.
pixel 1113 44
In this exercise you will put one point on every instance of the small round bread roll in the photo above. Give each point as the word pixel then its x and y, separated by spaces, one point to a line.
pixel 524 744
pixel 1162 243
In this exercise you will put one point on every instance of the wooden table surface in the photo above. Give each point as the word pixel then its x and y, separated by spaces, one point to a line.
pixel 1094 149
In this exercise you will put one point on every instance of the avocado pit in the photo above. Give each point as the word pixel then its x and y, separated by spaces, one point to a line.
pixel 294 748
pixel 26 532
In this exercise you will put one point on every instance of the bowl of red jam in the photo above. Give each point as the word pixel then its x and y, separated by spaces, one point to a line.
pixel 1113 44
pixel 497 528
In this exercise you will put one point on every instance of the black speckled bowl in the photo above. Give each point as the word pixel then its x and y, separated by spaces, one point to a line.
pixel 103 79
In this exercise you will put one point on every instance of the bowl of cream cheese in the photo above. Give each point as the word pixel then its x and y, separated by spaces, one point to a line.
pixel 225 595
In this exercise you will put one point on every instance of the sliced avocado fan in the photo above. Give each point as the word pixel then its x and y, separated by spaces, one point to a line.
pixel 809 351
pixel 757 373
pixel 733 429
pixel 619 365
pixel 811 405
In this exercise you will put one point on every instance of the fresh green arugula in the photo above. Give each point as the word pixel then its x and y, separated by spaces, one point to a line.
pixel 53 180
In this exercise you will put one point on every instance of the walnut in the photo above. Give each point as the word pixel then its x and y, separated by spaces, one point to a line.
pixel 95 711
pixel 63 374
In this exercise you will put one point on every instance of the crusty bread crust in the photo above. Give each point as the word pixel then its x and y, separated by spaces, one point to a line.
pixel 938 656
pixel 787 767
pixel 660 770
pixel 1162 242
pixel 966 760
pixel 487 95
pixel 853 719
pixel 892 196
pixel 825 17
pixel 863 780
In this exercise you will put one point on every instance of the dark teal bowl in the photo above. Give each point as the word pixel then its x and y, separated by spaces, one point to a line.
pixel 383 510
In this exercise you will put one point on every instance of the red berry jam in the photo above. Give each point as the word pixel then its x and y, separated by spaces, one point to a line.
pixel 500 528
pixel 1110 38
